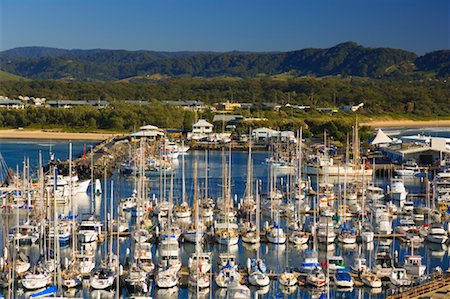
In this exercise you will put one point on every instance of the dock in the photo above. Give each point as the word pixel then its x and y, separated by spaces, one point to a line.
pixel 438 288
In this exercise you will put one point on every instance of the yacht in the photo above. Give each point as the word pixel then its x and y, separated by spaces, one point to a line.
pixel 143 253
pixel 398 191
pixel 325 230
pixel 316 278
pixel 437 234
pixel 89 229
pixel 38 280
pixel 227 274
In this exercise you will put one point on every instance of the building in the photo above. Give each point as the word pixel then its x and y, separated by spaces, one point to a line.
pixel 188 105
pixel 423 154
pixel 202 127
pixel 263 134
pixel 149 131
pixel 71 103
pixel 352 108
pixel 11 104
pixel 227 118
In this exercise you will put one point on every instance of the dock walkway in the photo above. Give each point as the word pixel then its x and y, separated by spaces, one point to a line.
pixel 439 288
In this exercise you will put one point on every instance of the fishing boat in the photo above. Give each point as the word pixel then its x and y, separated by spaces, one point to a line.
pixel 398 277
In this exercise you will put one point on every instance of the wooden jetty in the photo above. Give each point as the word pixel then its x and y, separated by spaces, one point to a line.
pixel 437 288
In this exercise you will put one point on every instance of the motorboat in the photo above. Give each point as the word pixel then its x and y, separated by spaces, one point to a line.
pixel 343 279
pixel 398 191
pixel 143 253
pixel 227 274
pixel 359 265
pixel 437 234
pixel 89 229
pixel 383 264
pixel 102 278
pixel 310 261
pixel 316 278
pixel 371 280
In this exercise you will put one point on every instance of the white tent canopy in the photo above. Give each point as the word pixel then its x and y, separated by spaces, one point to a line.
pixel 380 138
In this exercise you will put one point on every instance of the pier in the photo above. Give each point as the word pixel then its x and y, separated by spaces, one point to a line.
pixel 439 288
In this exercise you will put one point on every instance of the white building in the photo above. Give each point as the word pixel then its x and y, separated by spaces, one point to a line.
pixel 202 127
pixel 148 131
pixel 264 133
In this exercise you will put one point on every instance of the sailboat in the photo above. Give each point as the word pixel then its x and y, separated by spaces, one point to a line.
pixel 199 262
pixel 183 210
pixel 257 268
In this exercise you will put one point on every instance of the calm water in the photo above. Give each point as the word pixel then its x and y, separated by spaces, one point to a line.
pixel 276 257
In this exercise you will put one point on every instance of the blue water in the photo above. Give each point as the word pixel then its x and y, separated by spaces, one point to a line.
pixel 276 257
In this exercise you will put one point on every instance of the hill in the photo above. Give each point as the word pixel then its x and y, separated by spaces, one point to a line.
pixel 5 76
pixel 346 59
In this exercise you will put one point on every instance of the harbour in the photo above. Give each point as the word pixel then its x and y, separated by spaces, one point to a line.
pixel 287 231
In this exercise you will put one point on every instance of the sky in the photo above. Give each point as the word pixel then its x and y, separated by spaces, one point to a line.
pixel 224 25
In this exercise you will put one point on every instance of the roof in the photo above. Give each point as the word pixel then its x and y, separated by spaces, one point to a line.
pixel 203 123
pixel 6 101
pixel 263 129
pixel 150 128
pixel 226 117
pixel 380 138
pixel 145 133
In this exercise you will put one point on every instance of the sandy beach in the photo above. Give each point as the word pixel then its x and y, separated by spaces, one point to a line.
pixel 406 123
pixel 51 135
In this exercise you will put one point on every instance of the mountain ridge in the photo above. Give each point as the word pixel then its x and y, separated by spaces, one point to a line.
pixel 346 59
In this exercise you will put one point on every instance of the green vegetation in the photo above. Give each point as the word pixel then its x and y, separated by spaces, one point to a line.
pixel 119 118
pixel 5 76
pixel 346 59
pixel 409 98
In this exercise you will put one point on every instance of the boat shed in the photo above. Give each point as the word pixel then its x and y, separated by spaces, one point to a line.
pixel 424 154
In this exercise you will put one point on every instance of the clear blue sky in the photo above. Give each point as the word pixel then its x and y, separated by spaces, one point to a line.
pixel 224 25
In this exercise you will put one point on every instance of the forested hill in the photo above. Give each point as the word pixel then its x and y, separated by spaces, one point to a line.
pixel 347 59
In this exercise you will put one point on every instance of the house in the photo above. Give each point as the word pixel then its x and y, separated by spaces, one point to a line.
pixel 202 127
pixel 11 104
pixel 263 134
pixel 273 106
pixel 352 108
pixel 149 131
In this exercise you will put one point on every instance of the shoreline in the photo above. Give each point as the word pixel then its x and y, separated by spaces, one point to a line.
pixel 53 135
pixel 406 123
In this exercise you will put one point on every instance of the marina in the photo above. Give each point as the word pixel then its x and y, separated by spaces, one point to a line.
pixel 139 219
